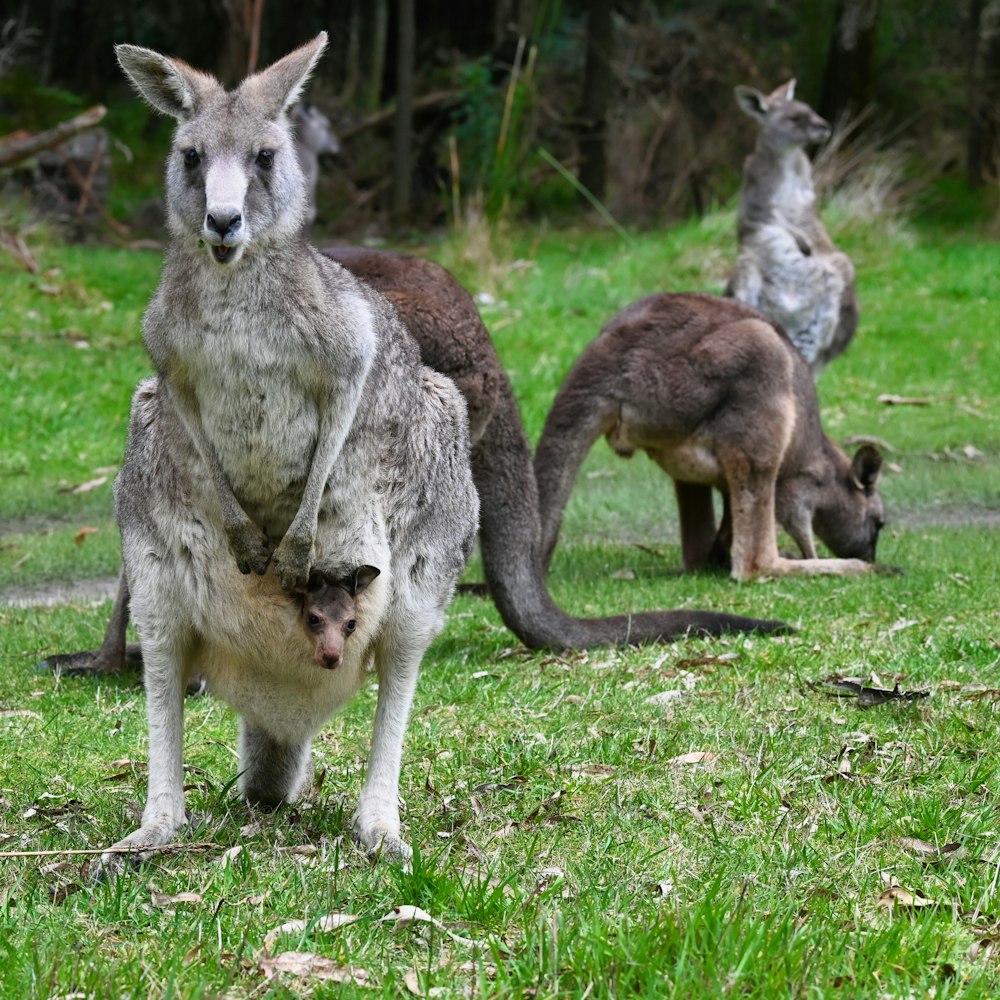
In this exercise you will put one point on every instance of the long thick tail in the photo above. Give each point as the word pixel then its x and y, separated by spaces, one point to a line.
pixel 510 539
pixel 580 414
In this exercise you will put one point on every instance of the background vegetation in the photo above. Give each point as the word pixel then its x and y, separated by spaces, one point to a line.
pixel 700 820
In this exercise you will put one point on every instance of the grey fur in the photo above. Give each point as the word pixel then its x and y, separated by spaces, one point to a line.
pixel 291 426
pixel 719 398
pixel 314 138
pixel 788 267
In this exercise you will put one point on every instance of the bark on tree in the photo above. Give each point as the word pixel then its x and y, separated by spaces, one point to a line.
pixel 593 124
pixel 983 150
pixel 849 78
pixel 402 138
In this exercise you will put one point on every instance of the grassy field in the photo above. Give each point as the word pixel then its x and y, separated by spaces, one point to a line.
pixel 698 820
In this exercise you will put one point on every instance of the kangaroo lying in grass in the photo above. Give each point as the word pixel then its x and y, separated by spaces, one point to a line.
pixel 718 398
pixel 291 428
pixel 788 267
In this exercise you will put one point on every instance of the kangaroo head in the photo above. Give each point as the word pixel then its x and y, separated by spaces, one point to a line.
pixel 783 121
pixel 850 513
pixel 233 178
pixel 313 130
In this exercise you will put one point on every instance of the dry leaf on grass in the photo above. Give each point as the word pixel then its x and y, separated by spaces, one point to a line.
pixel 160 899
pixel 985 948
pixel 11 713
pixel 81 536
pixel 331 922
pixel 403 916
pixel 868 697
pixel 306 965
pixel 930 852
pixel 896 896
pixel 695 757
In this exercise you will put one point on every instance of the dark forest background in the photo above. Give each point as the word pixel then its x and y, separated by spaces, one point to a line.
pixel 540 108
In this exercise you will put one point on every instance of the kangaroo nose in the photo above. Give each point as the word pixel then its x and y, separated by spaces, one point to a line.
pixel 331 660
pixel 223 223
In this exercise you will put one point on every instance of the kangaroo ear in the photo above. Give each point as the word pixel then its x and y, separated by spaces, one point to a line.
pixel 752 102
pixel 786 92
pixel 866 466
pixel 363 576
pixel 317 581
pixel 170 85
pixel 279 86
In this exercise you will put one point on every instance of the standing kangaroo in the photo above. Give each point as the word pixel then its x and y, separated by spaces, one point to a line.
pixel 788 267
pixel 291 427
pixel 717 397
pixel 443 319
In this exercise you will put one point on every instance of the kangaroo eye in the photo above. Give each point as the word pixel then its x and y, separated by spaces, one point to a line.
pixel 265 159
pixel 313 621
pixel 191 158
pixel 351 625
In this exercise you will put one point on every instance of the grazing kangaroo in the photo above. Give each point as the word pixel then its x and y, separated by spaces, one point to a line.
pixel 314 137
pixel 788 267
pixel 291 427
pixel 443 319
pixel 717 397
pixel 329 612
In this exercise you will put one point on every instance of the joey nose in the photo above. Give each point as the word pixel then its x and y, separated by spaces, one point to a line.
pixel 223 222
pixel 331 660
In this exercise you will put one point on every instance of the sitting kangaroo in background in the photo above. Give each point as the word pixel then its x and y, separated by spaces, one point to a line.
pixel 787 266
pixel 314 137
pixel 291 427
pixel 329 612
pixel 717 397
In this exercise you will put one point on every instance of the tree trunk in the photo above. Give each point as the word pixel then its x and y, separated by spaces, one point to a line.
pixel 849 78
pixel 402 138
pixel 374 31
pixel 983 151
pixel 593 125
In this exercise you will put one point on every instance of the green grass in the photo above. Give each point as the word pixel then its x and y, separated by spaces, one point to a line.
pixel 567 844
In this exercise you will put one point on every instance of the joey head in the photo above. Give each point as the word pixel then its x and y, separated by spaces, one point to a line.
pixel 329 612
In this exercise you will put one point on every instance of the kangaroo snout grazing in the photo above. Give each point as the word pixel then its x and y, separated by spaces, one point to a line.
pixel 719 399
pixel 329 612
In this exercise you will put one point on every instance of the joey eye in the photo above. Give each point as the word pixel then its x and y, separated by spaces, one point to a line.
pixel 313 621
pixel 265 159
pixel 191 158
pixel 351 625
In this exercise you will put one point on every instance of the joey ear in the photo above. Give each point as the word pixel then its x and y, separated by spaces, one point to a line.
pixel 752 102
pixel 316 581
pixel 786 92
pixel 279 86
pixel 363 576
pixel 170 85
pixel 866 466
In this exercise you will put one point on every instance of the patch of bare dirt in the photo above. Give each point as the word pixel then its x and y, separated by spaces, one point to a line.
pixel 47 595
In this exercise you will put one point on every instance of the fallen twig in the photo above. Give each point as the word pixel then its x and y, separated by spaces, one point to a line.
pixel 131 849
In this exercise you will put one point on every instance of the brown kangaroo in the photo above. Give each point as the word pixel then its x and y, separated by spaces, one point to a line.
pixel 717 397
pixel 443 319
